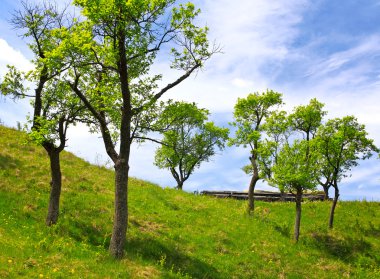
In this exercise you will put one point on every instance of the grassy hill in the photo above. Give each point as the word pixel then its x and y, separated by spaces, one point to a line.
pixel 171 234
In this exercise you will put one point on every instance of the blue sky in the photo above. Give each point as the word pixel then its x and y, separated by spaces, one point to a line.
pixel 304 49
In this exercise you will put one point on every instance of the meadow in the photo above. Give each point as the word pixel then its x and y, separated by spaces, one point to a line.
pixel 171 234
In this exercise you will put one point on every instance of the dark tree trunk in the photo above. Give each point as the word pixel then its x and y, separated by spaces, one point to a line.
pixel 252 185
pixel 326 191
pixel 121 210
pixel 251 194
pixel 297 223
pixel 180 185
pixel 55 190
pixel 332 211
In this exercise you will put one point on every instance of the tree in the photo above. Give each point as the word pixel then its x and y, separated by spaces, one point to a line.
pixel 307 119
pixel 54 107
pixel 295 165
pixel 189 141
pixel 342 142
pixel 250 114
pixel 277 133
pixel 295 172
pixel 112 51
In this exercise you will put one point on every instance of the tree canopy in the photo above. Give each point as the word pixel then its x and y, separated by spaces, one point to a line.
pixel 189 141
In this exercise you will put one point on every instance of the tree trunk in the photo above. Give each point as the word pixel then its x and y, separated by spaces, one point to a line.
pixel 326 191
pixel 252 184
pixel 55 190
pixel 180 185
pixel 251 194
pixel 297 223
pixel 121 210
pixel 332 211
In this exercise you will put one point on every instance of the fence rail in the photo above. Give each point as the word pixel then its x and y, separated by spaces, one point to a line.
pixel 263 195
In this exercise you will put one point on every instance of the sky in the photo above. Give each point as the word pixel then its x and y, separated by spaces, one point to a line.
pixel 324 49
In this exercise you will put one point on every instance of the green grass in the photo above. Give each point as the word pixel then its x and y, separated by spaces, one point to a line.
pixel 171 234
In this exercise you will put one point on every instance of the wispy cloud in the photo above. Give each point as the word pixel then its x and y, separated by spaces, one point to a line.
pixel 367 48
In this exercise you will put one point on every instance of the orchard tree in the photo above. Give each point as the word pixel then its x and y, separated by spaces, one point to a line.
pixel 277 133
pixel 112 50
pixel 250 114
pixel 54 105
pixel 296 171
pixel 188 141
pixel 342 143
pixel 307 119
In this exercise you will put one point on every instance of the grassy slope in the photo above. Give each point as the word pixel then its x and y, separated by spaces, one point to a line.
pixel 171 234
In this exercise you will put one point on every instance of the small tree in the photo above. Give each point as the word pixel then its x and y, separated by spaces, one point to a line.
pixel 250 114
pixel 54 106
pixel 189 141
pixel 342 142
pixel 295 172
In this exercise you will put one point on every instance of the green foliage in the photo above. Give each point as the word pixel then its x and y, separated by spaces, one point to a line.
pixel 250 114
pixel 172 234
pixel 188 141
pixel 296 167
pixel 54 105
pixel 113 49
pixel 307 118
pixel 342 143
pixel 12 84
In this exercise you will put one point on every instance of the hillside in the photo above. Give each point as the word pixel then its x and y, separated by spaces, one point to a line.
pixel 171 234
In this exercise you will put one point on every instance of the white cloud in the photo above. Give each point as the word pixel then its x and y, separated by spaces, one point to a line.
pixel 253 35
pixel 12 112
pixel 11 56
pixel 241 83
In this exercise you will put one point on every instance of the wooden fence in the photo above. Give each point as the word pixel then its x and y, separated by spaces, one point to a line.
pixel 263 195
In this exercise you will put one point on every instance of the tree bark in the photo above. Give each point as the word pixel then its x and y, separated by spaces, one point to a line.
pixel 326 191
pixel 180 185
pixel 252 185
pixel 332 211
pixel 55 190
pixel 297 223
pixel 120 223
pixel 251 194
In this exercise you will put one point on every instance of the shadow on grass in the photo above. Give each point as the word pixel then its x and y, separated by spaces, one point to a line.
pixel 284 229
pixel 346 249
pixel 7 162
pixel 173 260
pixel 372 231
pixel 84 232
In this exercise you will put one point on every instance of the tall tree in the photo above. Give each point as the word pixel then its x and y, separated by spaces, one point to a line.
pixel 189 140
pixel 54 107
pixel 250 114
pixel 342 143
pixel 113 51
